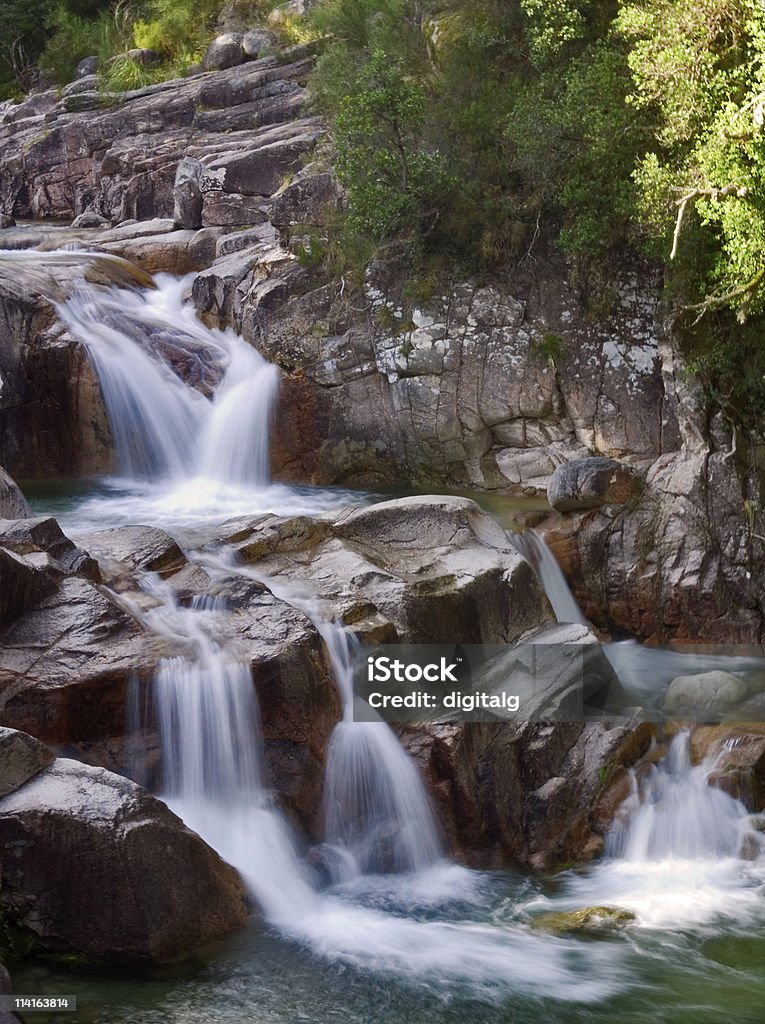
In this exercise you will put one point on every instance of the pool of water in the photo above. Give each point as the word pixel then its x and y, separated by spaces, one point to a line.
pixel 708 966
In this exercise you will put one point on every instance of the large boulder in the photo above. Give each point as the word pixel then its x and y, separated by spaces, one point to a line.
pixel 531 794
pixel 93 863
pixel 709 693
pixel 225 51
pixel 592 482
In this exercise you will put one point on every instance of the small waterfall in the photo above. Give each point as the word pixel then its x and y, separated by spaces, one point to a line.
pixel 184 401
pixel 675 814
pixel 212 755
pixel 533 548
pixel 378 816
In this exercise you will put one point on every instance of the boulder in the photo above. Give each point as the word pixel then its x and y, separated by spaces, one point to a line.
pixel 93 863
pixel 708 692
pixel 592 482
pixel 587 919
pixel 87 66
pixel 225 51
pixel 90 219
pixel 142 55
pixel 536 795
pixel 21 758
pixel 42 535
pixel 13 504
pixel 6 221
pixel 736 754
pixel 187 194
pixel 139 547
pixel 260 171
pixel 256 41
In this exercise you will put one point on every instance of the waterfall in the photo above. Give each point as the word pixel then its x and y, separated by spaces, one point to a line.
pixel 184 401
pixel 533 548
pixel 378 816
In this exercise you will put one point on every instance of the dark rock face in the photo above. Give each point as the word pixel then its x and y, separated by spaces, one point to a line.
pixel 535 795
pixel 13 504
pixel 592 482
pixel 91 862
pixel 187 194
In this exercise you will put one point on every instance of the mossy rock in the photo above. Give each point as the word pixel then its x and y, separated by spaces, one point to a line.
pixel 587 919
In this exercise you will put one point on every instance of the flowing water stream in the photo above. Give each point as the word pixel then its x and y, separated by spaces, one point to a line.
pixel 397 933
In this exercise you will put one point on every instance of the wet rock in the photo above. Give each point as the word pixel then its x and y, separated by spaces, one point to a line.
pixel 187 194
pixel 140 547
pixel 91 862
pixel 21 758
pixel 225 51
pixel 429 569
pixel 13 504
pixel 22 585
pixel 738 755
pixel 588 919
pixel 712 692
pixel 592 482
pixel 530 794
pixel 90 219
pixel 6 221
pixel 43 535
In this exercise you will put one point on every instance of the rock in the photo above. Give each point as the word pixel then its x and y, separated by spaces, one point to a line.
pixel 246 239
pixel 225 51
pixel 305 198
pixel 140 547
pixel 559 673
pixel 93 863
pixel 21 758
pixel 187 195
pixel 142 55
pixel 261 170
pixel 22 585
pixel 231 209
pixel 86 83
pixel 255 42
pixel 13 504
pixel 87 66
pixel 737 753
pixel 291 9
pixel 6 221
pixel 714 692
pixel 592 482
pixel 531 794
pixel 6 988
pixel 43 535
pixel 588 919
pixel 37 104
pixel 90 219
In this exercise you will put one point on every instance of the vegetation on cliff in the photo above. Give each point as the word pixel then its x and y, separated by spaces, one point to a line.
pixel 467 131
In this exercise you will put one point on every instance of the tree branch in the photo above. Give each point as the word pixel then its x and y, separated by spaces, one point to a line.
pixel 739 191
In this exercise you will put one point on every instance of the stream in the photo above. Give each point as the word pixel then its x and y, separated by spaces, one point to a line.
pixel 190 410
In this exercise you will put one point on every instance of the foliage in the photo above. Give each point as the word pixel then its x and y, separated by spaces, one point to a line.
pixel 75 36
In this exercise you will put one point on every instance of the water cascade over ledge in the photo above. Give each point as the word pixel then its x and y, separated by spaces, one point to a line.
pixel 190 410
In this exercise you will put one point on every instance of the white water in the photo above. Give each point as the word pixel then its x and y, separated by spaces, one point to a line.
pixel 531 546
pixel 207 448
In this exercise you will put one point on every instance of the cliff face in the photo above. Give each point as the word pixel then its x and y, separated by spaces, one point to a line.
pixel 486 384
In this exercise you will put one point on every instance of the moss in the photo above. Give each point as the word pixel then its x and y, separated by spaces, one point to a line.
pixel 587 919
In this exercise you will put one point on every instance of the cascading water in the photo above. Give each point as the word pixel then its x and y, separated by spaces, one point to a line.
pixel 531 546
pixel 197 443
